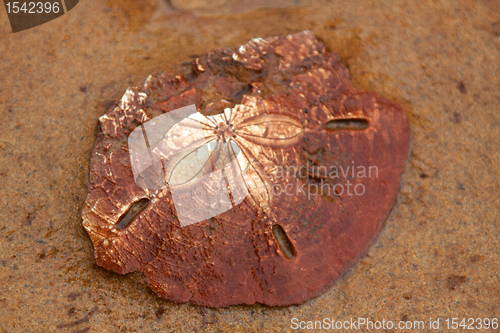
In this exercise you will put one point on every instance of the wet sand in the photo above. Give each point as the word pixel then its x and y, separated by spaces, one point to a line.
pixel 438 256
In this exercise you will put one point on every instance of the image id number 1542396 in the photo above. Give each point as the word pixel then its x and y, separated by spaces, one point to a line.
pixel 471 323
pixel 32 7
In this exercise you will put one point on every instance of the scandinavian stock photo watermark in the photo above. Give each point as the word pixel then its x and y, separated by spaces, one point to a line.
pixel 367 324
pixel 208 173
pixel 333 180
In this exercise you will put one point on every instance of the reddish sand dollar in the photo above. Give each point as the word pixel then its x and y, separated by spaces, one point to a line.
pixel 318 163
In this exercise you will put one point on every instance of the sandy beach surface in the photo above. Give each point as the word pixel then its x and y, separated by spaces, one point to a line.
pixel 438 256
